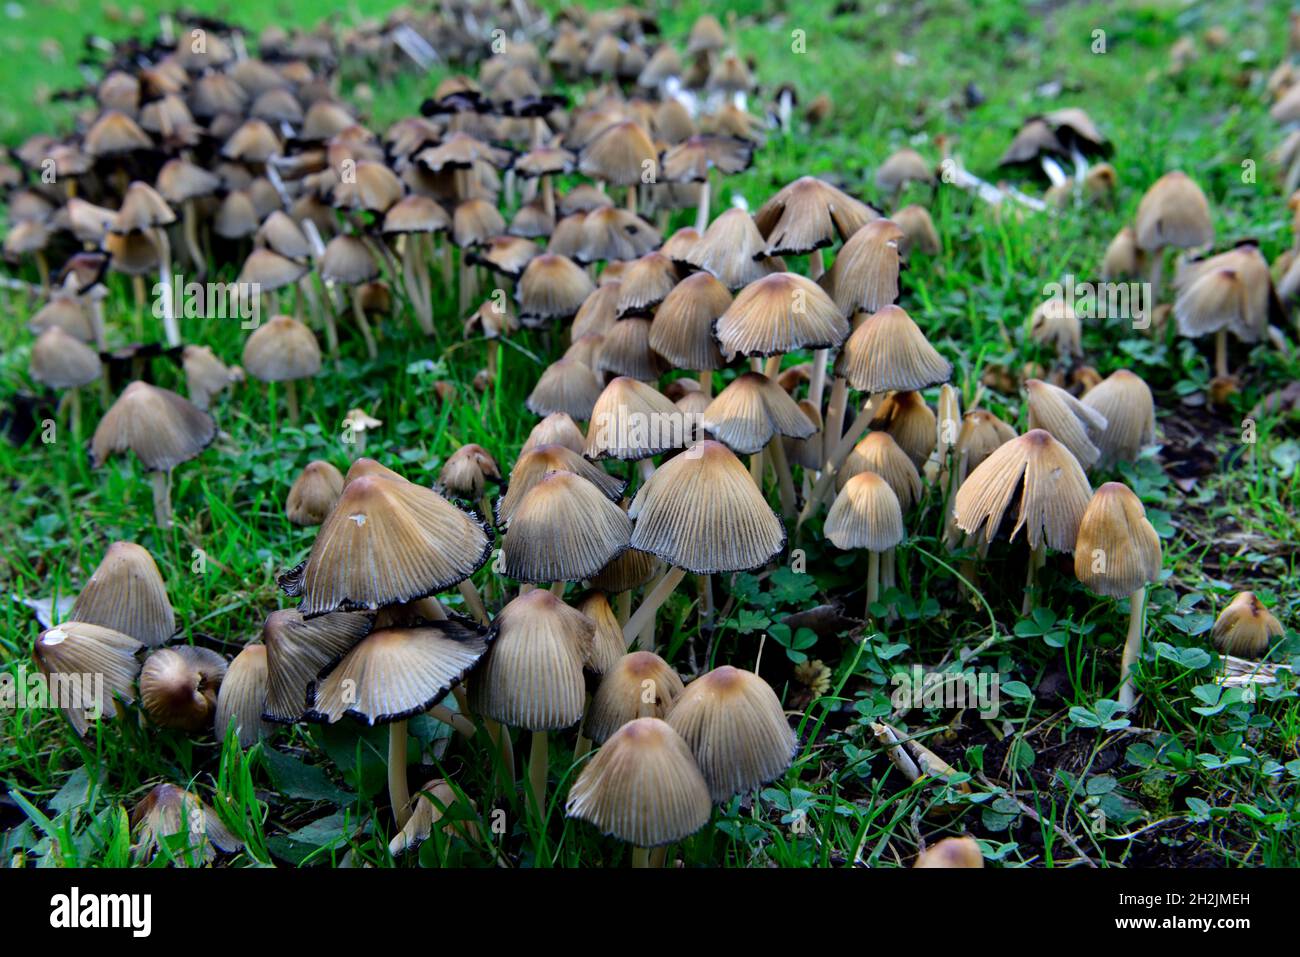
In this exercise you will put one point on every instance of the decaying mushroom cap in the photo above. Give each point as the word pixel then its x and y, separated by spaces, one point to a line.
pixel 878 452
pixel 1054 323
pixel 168 812
pixel 160 427
pixel 386 541
pixel 732 249
pixel 1174 212
pixel 242 697
pixel 281 350
pixel 642 787
pixel 563 529
pixel 569 386
pixel 682 328
pixel 1130 412
pixel 632 420
pixel 62 361
pixel 126 593
pixel 865 272
pixel 701 511
pixel 637 685
pixel 751 410
pixel 981 434
pixel 394 673
pixel 780 313
pixel 298 650
pixel 1245 627
pixel 532 466
pixel 467 470
pixel 1072 423
pixel 179 686
pixel 865 514
pixel 1052 489
pixel 1117 551
pixel 73 650
pixel 313 494
pixel 810 214
pixel 532 676
pixel 733 723
pixel 951 852
pixel 888 351
pixel 432 802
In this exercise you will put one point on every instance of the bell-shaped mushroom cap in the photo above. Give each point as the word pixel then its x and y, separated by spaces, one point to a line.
pixel 159 426
pixel 532 676
pixel 901 167
pixel 374 188
pixel 387 541
pixel 242 697
pixel 621 155
pixel 751 410
pixel 132 254
pixel 1232 290
pixel 733 723
pixel 732 249
pixel 126 593
pixel 689 161
pixel 567 386
pixel 206 376
pixel 865 272
pixel 347 260
pixel 807 452
pixel 918 229
pixel 313 493
pixel 910 422
pixel 1053 492
pixel 1034 139
pixel 270 270
pixel 189 829
pixel 533 465
pixel 1054 323
pixel 178 686
pixel 878 452
pixel 115 134
pixel 889 352
pixel 236 217
pixel 981 434
pixel 645 283
pixel 1075 425
pixel 636 685
pixel 682 328
pixel 951 852
pixel 393 673
pixel 1117 551
pixel 558 428
pixel 142 208
pixel 563 529
pixel 810 214
pixel 780 313
pixel 701 511
pixel 281 350
pixel 475 221
pixel 553 287
pixel 298 650
pixel 643 787
pixel 678 246
pixel 625 351
pixel 1122 256
pixel 76 650
pixel 1130 412
pixel 467 470
pixel 65 313
pixel 416 214
pixel 507 255
pixel 632 569
pixel 865 514
pixel 632 420
pixel 1245 628
pixel 611 233
pixel 61 361
pixel 1174 212
pixel 544 161
pixel 607 643
pixel 599 311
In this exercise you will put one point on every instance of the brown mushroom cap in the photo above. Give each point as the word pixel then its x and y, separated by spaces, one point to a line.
pixel 910 422
pixel 159 426
pixel 178 686
pixel 1117 551
pixel 865 514
pixel 645 283
pixel 878 452
pixel 632 420
pixel 61 361
pixel 467 470
pixel 620 155
pixel 865 272
pixel 81 652
pixel 810 214
pixel 636 685
pixel 1075 425
pixel 901 167
pixel 888 351
pixel 611 233
pixel 682 328
pixel 347 260
pixel 242 697
pixel 607 644
pixel 1232 290
pixel 126 594
pixel 1174 212
pixel 1126 403
pixel 951 852
pixel 732 249
pixel 314 493
pixel 567 386
pixel 751 410
pixel 981 434
pixel 563 529
pixel 1245 627
pixel 780 313
pixel 632 569
pixel 553 287
pixel 270 270
pixel 625 351
pixel 558 428
pixel 281 350
pixel 532 466
pixel 298 650
pixel 191 831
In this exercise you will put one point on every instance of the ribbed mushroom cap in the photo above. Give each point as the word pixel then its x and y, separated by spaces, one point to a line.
pixel 910 422
pixel 387 540
pixel 347 260
pixel 82 652
pixel 887 352
pixel 632 569
pixel 178 686
pixel 1232 290
pixel 690 161
pixel 625 351
pixel 642 787
pixel 416 214
pixel 532 676
pixel 253 142
pixel 544 161
pixel 951 852
pixel 679 245
pixel 1117 551
pixel 682 328
pixel 865 272
pixel 732 249
pixel 621 155
pixel 532 221
pixel 1129 409
pixel 878 452
pixel 475 221
pixel 607 643
pixel 159 426
pixel 751 410
pixel 805 452
pixel 553 287
pixel 557 428
pixel 126 594
pixel 810 214
pixel 636 685
pixel 324 120
pixel 733 723
pixel 467 470
pixel 1052 488
pixel 1075 425
pixel 611 233
pixel 598 312
pixel 645 283
pixel 583 198
pixel 298 650
pixel 632 420
pixel 865 514
pixel 191 831
pixel 918 229
pixel 901 167
pixel 1174 212
pixel 701 511
pixel 142 208
pixel 981 434
pixel 270 270
pixel 394 673
pixel 567 386
pixel 242 697
pixel 563 529
pixel 314 493
pixel 281 350
pixel 277 106
pixel 115 134
pixel 1055 324
pixel 780 313
pixel 532 466
pixel 1245 628
pixel 61 361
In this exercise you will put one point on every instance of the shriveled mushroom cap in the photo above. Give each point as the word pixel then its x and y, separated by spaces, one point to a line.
pixel 636 685
pixel 1035 138
pixel 1052 488
pixel 179 686
pixel 780 313
pixel 159 426
pixel 732 249
pixel 751 410
pixel 242 697
pixel 298 650
pixel 553 287
pixel 1117 551
pixel 1125 401
pixel 951 852
pixel 632 420
pixel 533 465
pixel 77 649
pixel 281 350
pixel 878 452
pixel 1075 425
pixel 532 677
pixel 1245 627
pixel 733 723
pixel 810 214
pixel 61 361
pixel 313 493
pixel 126 593
pixel 1174 212
pixel 887 352
pixel 701 511
pixel 981 434
pixel 191 831
pixel 865 272
pixel 567 386
pixel 467 470
pixel 394 673
pixel 621 155
pixel 642 787
pixel 563 529
pixel 865 514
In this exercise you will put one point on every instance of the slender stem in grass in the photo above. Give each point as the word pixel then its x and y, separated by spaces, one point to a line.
pixel 826 481
pixel 1221 353
pixel 190 226
pixel 1132 648
pixel 784 476
pixel 363 324
pixel 631 199
pixel 500 736
pixel 538 757
pixel 833 427
pixel 873 581
pixel 623 606
pixel 473 601
pixel 291 400
pixel 645 615
pixel 1037 558
pixel 137 287
pixel 74 415
pixel 162 497
pixel 399 792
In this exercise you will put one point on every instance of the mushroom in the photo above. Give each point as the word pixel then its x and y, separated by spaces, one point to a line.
pixel 126 594
pixel 283 350
pixel 466 473
pixel 169 817
pixel 298 650
pixel 563 529
pixel 313 493
pixel 682 328
pixel 1230 291
pixel 206 376
pixel 75 654
pixel 1173 212
pixel 178 686
pixel 634 421
pixel 733 250
pixel 621 155
pixel 866 514
pixel 1125 402
pixel 61 361
pixel 557 428
pixel 242 698
pixel 639 685
pixel 569 386
pixel 535 464
pixel 951 852
pixel 347 260
pixel 1072 423
pixel 432 802
pixel 552 287
pixel 1245 627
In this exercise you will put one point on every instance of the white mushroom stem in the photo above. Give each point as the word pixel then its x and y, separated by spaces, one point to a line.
pixel 399 792
pixel 1037 558
pixel 190 230
pixel 1132 648
pixel 1221 353
pixel 170 329
pixel 784 476
pixel 873 581
pixel 834 424
pixel 1053 170
pixel 363 324
pixel 538 757
pixel 162 498
pixel 826 481
pixel 440 712
pixel 631 199
pixel 817 385
pixel 548 197
pixel 702 208
pixel 1080 164
pixel 583 744
pixel 657 595
pixel 473 601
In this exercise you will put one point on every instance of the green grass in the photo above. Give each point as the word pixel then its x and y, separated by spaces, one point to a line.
pixel 1191 778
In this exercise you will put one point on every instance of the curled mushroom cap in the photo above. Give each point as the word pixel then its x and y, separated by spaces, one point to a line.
pixel 126 593
pixel 780 313
pixel 76 654
pixel 1117 551
pixel 178 686
pixel 159 426
pixel 865 514
pixel 563 529
pixel 733 723
pixel 1245 628
pixel 638 685
pixel 888 351
pixel 168 813
pixel 1130 412
pixel 281 350
pixel 952 852
pixel 313 493
pixel 242 697
pixel 298 650
pixel 643 786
